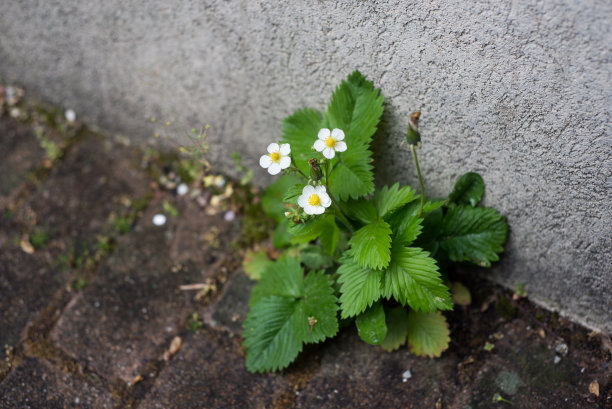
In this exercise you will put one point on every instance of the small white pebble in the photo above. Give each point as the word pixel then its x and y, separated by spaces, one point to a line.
pixel 229 215
pixel 182 189
pixel 406 375
pixel 159 220
pixel 557 359
pixel 15 113
pixel 70 115
pixel 77 400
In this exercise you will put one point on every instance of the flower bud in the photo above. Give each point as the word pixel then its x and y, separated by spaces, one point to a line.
pixel 315 170
pixel 413 137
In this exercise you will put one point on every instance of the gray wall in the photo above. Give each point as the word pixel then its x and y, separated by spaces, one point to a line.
pixel 518 91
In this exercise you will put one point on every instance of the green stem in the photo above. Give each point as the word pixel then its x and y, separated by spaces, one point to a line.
pixel 298 169
pixel 416 162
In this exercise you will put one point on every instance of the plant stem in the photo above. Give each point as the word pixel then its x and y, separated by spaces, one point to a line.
pixel 298 169
pixel 416 162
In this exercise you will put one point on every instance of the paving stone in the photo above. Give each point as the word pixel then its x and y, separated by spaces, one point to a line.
pixel 356 375
pixel 75 202
pixel 133 308
pixel 27 282
pixel 20 153
pixel 36 384
pixel 209 372
pixel 232 307
pixel 523 369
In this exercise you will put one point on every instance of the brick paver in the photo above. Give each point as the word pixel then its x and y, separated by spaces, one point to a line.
pixel 209 372
pixel 36 384
pixel 134 306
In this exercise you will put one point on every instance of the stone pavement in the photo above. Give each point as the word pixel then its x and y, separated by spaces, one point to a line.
pixel 93 313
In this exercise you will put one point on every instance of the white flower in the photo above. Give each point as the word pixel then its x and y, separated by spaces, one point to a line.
pixel 314 200
pixel 330 142
pixel 277 158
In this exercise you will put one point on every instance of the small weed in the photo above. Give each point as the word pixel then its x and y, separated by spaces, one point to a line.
pixel 195 323
pixel 122 225
pixel 171 210
pixel 39 238
pixel 78 284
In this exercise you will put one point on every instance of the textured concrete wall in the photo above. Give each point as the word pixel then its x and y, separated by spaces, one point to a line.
pixel 518 91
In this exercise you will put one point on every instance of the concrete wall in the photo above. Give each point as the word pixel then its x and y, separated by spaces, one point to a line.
pixel 518 91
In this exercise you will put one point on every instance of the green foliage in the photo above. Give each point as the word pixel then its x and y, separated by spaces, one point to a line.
pixel 468 190
pixel 428 333
pixel 474 234
pixel 271 200
pixel 288 311
pixel 360 287
pixel 254 263
pixel 397 329
pixel 413 278
pixel 371 245
pixel 372 256
pixel 371 325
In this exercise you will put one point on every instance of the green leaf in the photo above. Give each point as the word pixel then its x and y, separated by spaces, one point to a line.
pixel 412 278
pixel 320 307
pixel 283 278
pixel 323 227
pixel 254 263
pixel 276 326
pixel 391 198
pixel 461 294
pixel 355 107
pixel 428 333
pixel 406 225
pixel 270 337
pixel 300 131
pixel 351 178
pixel 292 194
pixel 359 287
pixel 281 237
pixel 468 190
pixel 315 258
pixel 329 235
pixel 362 210
pixel 271 201
pixel 474 234
pixel 371 325
pixel 397 329
pixel 371 245
pixel 432 229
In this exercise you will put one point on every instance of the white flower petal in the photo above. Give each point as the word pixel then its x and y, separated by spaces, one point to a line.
pixel 285 149
pixel 309 209
pixel 303 201
pixel 273 147
pixel 274 168
pixel 324 134
pixel 285 162
pixel 319 145
pixel 265 161
pixel 329 153
pixel 340 146
pixel 308 190
pixel 325 200
pixel 320 190
pixel 337 134
pixel 318 210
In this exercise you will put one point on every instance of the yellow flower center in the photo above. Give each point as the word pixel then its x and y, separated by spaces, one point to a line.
pixel 314 200
pixel 275 156
pixel 330 142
